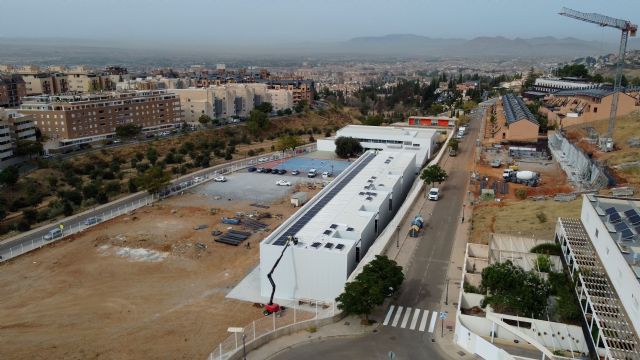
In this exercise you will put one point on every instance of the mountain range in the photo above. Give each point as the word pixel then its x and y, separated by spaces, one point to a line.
pixel 75 51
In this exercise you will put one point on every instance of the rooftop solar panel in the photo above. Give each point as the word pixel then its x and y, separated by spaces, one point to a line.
pixel 610 211
pixel 627 234
pixel 333 226
pixel 327 232
pixel 315 245
pixel 328 245
pixel 614 218
pixel 635 219
pixel 631 212
pixel 337 186
pixel 349 229
pixel 621 226
pixel 339 246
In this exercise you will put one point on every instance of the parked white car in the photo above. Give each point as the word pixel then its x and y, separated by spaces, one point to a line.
pixel 434 194
pixel 198 179
pixel 263 159
pixel 283 183
pixel 220 178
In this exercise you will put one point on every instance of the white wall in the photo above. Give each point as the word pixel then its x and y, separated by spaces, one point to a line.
pixel 328 144
pixel 622 277
pixel 304 273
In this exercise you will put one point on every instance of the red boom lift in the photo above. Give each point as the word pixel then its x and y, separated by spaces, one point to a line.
pixel 271 307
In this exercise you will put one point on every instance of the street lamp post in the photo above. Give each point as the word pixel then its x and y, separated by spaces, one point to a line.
pixel 446 298
pixel 244 348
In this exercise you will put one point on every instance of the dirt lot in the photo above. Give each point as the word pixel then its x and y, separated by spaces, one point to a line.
pixel 552 179
pixel 132 288
pixel 536 218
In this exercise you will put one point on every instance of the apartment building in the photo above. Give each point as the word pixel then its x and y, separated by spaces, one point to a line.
pixel 12 90
pixel 14 127
pixel 281 99
pixel 221 101
pixel 76 119
pixel 300 89
pixel 518 123
pixel 602 253
pixel 577 106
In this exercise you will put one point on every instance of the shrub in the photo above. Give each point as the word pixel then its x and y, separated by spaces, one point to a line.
pixel 251 153
pixel 23 226
pixel 548 248
pixel 542 217
pixel 543 263
pixel 521 194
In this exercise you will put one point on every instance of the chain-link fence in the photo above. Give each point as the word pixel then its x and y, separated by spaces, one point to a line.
pixel 299 313
pixel 77 223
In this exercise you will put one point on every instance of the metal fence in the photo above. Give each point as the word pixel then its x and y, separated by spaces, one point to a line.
pixel 294 314
pixel 177 187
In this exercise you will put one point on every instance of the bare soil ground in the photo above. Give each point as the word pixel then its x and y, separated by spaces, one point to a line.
pixel 525 218
pixel 553 180
pixel 136 287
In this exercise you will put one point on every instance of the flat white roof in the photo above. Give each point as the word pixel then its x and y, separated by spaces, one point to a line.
pixel 342 219
pixel 387 132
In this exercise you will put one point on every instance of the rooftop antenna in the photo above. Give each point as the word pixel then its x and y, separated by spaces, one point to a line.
pixel 628 29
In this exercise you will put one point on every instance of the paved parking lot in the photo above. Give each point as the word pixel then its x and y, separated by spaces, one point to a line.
pixel 258 187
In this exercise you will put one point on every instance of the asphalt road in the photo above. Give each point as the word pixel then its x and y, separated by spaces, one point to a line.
pixel 425 284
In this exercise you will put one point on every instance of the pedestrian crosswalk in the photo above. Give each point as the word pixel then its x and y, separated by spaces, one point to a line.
pixel 412 319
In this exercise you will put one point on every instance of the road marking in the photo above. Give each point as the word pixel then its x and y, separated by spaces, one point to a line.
pixel 414 321
pixel 423 322
pixel 432 325
pixel 405 320
pixel 397 317
pixel 388 317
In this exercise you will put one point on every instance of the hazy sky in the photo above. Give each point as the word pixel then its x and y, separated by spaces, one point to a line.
pixel 245 22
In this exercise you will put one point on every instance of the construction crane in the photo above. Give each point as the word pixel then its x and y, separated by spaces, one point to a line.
pixel 628 29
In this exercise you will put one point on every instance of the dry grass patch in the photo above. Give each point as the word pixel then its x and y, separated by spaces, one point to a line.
pixel 526 218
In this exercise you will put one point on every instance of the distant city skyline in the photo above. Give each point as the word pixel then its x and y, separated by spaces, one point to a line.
pixel 281 22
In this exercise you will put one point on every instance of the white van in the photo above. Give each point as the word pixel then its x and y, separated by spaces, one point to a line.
pixel 53 234
pixel 312 173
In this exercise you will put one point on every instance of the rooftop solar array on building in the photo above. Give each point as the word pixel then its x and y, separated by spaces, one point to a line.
pixel 515 109
pixel 597 294
pixel 595 93
pixel 338 185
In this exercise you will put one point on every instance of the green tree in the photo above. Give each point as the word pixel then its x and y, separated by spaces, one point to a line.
pixel 67 209
pixel 258 121
pixel 152 155
pixel 380 278
pixel 433 174
pixel 128 130
pixel 153 179
pixel 28 148
pixel 265 107
pixel 511 289
pixel 454 144
pixel 30 215
pixel 10 175
pixel 347 147
pixel 289 142
pixel 90 190
pixel 301 106
pixel 132 186
pixel 385 270
pixel 374 120
pixel 204 119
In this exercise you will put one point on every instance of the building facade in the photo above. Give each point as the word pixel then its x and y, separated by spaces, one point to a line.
pixel 75 119
pixel 281 99
pixel 572 107
pixel 14 127
pixel 12 90
pixel 519 124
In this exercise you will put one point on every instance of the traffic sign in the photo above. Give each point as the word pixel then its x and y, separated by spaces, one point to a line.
pixel 443 315
pixel 61 227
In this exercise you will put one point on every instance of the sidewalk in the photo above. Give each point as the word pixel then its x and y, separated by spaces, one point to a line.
pixel 347 327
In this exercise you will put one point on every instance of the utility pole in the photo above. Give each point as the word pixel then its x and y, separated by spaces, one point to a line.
pixel 398 237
